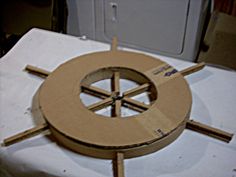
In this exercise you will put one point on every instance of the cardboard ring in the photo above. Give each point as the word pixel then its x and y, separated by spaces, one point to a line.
pixel 79 129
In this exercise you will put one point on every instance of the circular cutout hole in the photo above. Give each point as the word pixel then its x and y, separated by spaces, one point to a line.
pixel 117 92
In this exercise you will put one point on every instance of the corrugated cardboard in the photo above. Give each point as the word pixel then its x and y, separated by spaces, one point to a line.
pixel 82 130
pixel 220 40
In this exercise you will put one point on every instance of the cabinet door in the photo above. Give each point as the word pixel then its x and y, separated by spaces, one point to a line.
pixel 152 24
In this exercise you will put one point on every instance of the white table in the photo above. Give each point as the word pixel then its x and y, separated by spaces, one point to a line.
pixel 191 155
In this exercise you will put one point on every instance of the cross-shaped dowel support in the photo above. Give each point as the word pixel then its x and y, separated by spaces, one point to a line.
pixel 115 99
pixel 128 102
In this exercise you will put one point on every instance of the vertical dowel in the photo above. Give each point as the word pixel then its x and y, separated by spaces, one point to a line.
pixel 118 165
pixel 114 44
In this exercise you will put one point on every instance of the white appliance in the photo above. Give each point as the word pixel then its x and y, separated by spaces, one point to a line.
pixel 167 27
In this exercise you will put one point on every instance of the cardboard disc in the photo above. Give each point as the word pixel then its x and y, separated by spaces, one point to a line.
pixel 80 129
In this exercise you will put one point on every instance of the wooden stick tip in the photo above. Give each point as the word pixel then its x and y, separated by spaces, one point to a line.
pixel 114 43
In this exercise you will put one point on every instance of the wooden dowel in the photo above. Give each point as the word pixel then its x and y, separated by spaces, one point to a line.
pixel 192 69
pixel 116 109
pixel 133 108
pixel 101 104
pixel 114 44
pixel 115 83
pixel 37 71
pixel 135 103
pixel 209 131
pixel 137 90
pixel 118 165
pixel 95 91
pixel 25 135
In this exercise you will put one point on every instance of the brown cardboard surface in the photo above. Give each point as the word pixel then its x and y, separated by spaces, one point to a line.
pixel 72 122
pixel 222 51
pixel 221 40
